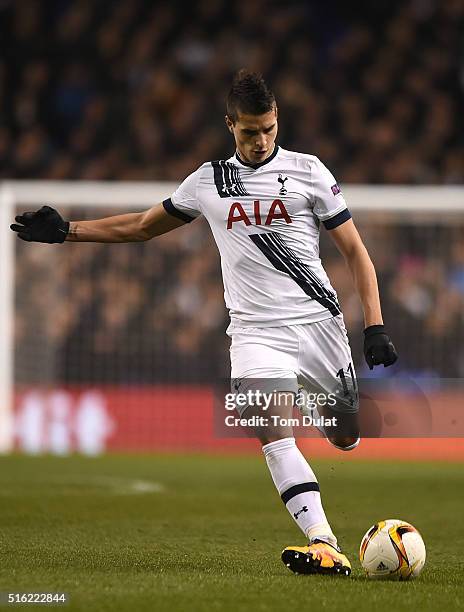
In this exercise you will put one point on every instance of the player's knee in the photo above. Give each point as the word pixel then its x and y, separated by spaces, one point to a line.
pixel 345 443
pixel 273 436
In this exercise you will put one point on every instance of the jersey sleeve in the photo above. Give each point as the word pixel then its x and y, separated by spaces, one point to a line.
pixel 183 203
pixel 329 204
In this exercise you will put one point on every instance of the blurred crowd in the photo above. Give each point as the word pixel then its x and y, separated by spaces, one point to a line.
pixel 154 311
pixel 135 90
pixel 141 312
pixel 420 270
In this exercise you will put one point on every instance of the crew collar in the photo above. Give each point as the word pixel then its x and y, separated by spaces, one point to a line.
pixel 258 165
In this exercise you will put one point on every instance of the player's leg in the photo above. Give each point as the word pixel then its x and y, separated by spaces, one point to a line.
pixel 326 367
pixel 294 479
pixel 299 490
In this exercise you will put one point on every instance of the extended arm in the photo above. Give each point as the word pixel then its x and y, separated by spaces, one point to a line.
pixel 377 345
pixel 132 227
pixel 47 225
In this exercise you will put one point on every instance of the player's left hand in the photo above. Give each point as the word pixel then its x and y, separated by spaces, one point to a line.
pixel 378 348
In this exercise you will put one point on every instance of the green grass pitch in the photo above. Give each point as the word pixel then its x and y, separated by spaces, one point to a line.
pixel 177 533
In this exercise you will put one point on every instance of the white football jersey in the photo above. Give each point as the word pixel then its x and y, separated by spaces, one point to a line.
pixel 265 220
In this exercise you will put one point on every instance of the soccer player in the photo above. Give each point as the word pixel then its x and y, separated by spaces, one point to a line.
pixel 265 206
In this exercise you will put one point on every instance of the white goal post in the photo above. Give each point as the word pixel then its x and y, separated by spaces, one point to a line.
pixel 426 204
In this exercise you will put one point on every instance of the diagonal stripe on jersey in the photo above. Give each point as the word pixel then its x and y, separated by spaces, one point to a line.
pixel 301 269
pixel 227 179
pixel 306 270
pixel 285 260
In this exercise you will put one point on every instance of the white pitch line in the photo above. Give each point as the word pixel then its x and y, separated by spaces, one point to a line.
pixel 106 485
pixel 120 486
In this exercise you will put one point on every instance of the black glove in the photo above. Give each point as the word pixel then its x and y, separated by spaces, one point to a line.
pixel 44 225
pixel 378 347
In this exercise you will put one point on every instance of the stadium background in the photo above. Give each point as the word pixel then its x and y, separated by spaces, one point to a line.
pixel 124 341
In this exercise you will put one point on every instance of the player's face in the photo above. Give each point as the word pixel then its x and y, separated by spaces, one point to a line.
pixel 254 135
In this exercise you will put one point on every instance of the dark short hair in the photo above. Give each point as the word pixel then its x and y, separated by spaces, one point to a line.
pixel 249 94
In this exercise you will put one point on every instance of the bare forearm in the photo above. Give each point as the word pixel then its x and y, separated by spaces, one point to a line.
pixel 133 227
pixel 365 280
pixel 120 228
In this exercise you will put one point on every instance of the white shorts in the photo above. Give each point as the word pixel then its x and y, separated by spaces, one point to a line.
pixel 316 356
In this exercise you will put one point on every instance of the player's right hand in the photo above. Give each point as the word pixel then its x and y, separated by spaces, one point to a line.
pixel 43 225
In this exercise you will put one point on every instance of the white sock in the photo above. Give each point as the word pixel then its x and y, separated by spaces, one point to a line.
pixel 298 487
